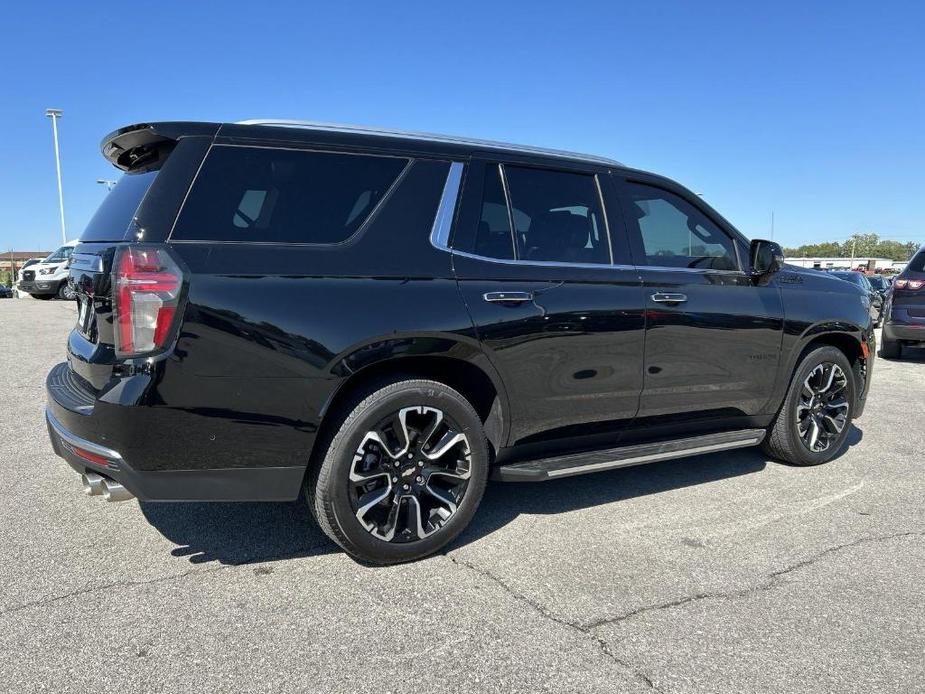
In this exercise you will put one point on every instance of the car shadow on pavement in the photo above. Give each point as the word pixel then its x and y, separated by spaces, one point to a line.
pixel 239 533
pixel 244 533
pixel 504 501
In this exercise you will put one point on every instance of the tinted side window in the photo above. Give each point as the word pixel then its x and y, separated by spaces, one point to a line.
pixel 283 196
pixel 674 233
pixel 493 238
pixel 557 216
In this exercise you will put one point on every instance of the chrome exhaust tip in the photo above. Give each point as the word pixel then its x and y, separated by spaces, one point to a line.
pixel 92 483
pixel 113 491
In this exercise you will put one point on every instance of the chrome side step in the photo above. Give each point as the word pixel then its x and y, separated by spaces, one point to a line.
pixel 595 461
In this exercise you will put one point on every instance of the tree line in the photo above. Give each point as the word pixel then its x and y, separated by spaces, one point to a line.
pixel 859 245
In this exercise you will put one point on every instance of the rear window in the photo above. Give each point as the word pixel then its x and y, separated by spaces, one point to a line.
pixel 917 264
pixel 284 196
pixel 112 219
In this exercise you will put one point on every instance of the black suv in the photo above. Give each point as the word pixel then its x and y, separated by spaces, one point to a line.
pixel 904 313
pixel 388 319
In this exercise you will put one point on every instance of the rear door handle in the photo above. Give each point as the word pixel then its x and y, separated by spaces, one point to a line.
pixel 669 298
pixel 507 297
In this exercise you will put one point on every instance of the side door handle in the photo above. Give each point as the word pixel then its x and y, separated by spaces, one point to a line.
pixel 507 297
pixel 669 298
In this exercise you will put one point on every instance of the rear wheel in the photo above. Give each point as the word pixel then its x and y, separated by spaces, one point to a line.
pixel 403 475
pixel 815 418
pixel 890 349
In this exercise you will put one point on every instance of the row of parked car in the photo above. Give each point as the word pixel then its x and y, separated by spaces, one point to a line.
pixel 897 304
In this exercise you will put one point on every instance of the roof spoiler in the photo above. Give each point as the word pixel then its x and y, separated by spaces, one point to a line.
pixel 145 146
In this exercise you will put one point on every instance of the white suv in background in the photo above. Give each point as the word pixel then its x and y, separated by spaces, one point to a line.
pixel 49 278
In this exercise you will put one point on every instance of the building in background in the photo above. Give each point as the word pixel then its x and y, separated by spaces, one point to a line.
pixel 870 264
pixel 15 259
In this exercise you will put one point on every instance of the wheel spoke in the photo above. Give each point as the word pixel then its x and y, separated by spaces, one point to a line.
pixel 814 434
pixel 838 423
pixel 447 441
pixel 443 496
pixel 370 499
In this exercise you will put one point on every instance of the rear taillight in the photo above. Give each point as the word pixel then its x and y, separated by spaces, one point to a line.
pixel 909 284
pixel 146 292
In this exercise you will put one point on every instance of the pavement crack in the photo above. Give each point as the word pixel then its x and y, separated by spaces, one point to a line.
pixel 109 586
pixel 541 610
pixel 772 581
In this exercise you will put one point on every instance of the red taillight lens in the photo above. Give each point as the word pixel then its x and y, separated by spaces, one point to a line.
pixel 146 291
pixel 915 284
pixel 899 284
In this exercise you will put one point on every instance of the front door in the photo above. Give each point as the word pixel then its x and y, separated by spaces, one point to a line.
pixel 560 321
pixel 713 335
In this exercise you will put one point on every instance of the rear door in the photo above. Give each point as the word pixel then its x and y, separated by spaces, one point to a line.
pixel 713 335
pixel 559 318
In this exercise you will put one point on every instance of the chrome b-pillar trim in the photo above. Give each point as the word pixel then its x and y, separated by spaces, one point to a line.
pixel 443 221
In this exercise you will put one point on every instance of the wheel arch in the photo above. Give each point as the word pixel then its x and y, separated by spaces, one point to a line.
pixel 459 364
pixel 847 339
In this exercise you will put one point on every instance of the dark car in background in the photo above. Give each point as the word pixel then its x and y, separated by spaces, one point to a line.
pixel 905 309
pixel 386 319
pixel 874 298
pixel 880 284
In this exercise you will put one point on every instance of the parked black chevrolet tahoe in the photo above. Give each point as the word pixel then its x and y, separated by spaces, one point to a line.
pixel 388 319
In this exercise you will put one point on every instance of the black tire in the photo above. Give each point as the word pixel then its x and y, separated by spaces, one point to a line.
pixel 784 441
pixel 333 497
pixel 66 291
pixel 890 349
pixel 42 297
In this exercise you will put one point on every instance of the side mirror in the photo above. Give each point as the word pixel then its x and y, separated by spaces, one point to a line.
pixel 767 257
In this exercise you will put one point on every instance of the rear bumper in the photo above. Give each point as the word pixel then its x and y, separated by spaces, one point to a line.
pixel 900 330
pixel 78 437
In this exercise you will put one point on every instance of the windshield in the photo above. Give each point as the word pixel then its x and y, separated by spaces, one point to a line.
pixel 59 255
pixel 112 219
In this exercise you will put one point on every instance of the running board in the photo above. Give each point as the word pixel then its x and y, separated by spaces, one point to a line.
pixel 594 461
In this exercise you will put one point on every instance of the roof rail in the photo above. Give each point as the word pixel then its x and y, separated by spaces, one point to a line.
pixel 429 137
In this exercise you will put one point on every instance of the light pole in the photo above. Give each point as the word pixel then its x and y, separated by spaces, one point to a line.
pixel 106 182
pixel 55 114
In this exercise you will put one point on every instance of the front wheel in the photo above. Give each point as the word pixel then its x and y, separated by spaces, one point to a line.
pixel 403 475
pixel 67 292
pixel 815 418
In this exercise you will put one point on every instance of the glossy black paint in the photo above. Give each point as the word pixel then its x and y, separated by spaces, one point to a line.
pixel 273 338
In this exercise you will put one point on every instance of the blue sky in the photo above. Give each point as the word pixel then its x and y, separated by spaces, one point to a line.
pixel 813 110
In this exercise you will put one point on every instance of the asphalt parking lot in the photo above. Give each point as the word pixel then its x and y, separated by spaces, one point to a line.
pixel 721 573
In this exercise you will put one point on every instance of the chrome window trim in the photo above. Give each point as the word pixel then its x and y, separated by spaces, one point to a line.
pixel 427 137
pixel 666 268
pixel 443 220
pixel 502 172
pixel 541 263
pixel 600 196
